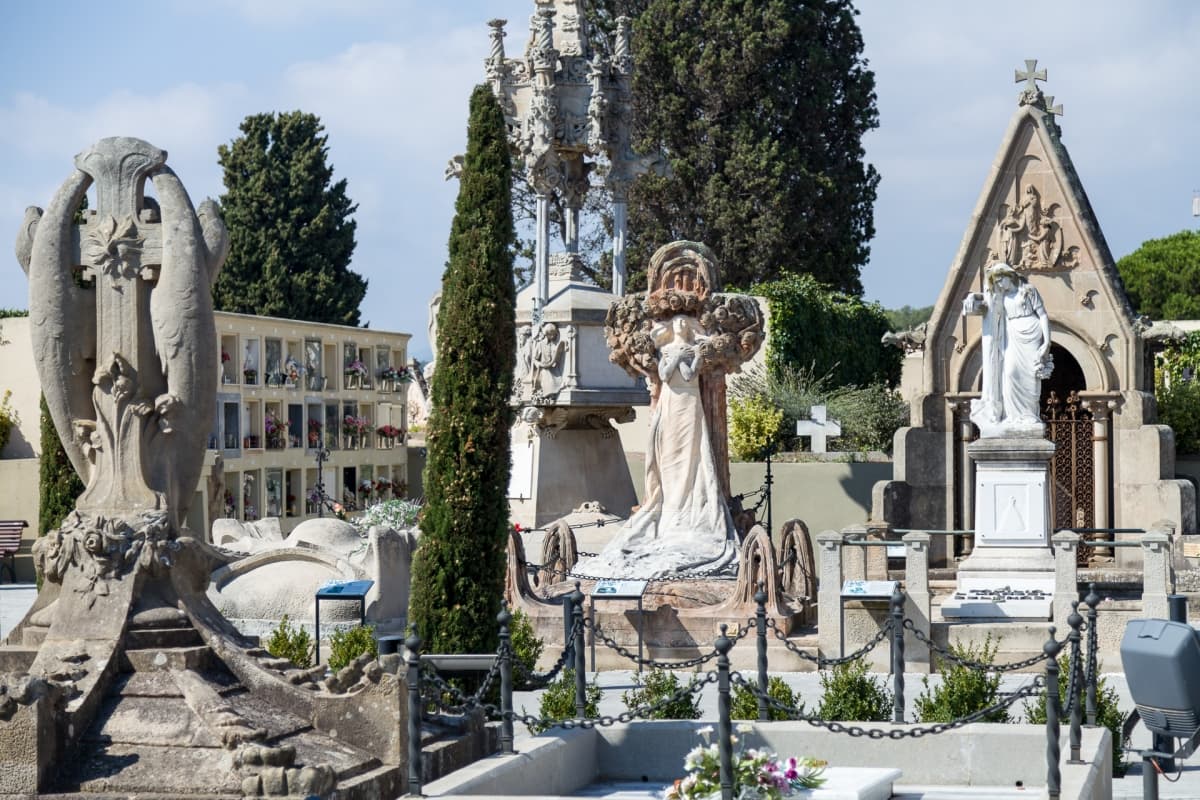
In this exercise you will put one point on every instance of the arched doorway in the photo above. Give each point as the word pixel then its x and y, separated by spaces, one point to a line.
pixel 1069 424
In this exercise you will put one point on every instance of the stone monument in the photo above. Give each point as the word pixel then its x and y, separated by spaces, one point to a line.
pixel 684 338
pixel 1012 561
pixel 123 678
pixel 1114 465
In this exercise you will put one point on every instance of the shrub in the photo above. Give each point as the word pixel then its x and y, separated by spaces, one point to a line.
pixel 394 514
pixel 744 703
pixel 1179 407
pixel 1107 713
pixel 8 418
pixel 558 701
pixel 655 687
pixel 347 644
pixel 294 644
pixel 754 423
pixel 963 690
pixel 59 484
pixel 527 647
pixel 870 416
pixel 849 693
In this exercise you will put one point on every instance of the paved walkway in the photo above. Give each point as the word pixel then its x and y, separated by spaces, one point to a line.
pixel 15 600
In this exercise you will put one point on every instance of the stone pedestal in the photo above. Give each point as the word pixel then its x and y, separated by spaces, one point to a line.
pixel 1010 573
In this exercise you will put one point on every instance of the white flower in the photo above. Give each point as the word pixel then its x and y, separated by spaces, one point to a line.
pixel 744 727
pixel 705 732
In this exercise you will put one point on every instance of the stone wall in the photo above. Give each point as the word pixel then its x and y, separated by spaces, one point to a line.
pixel 19 500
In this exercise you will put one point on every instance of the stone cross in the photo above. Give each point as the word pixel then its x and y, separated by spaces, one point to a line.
pixel 1031 75
pixel 819 427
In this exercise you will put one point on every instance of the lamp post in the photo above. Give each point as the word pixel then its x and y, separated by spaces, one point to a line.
pixel 322 498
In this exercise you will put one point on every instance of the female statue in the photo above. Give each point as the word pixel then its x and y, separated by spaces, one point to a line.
pixel 1016 354
pixel 683 523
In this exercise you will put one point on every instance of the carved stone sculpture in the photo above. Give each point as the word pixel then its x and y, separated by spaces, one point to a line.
pixel 683 337
pixel 1016 354
pixel 127 355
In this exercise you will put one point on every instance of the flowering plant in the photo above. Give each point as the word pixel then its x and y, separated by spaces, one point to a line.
pixel 275 424
pixel 394 514
pixel 390 431
pixel 756 773
pixel 366 485
pixel 354 426
pixel 224 357
pixel 357 367
pixel 314 496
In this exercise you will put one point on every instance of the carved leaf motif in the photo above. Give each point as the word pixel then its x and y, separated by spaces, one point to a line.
pixel 114 247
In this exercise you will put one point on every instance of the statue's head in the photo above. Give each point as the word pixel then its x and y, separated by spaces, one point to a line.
pixel 1000 273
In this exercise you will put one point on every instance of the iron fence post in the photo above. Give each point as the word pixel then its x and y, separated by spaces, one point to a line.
pixel 1053 748
pixel 724 721
pixel 1093 637
pixel 897 618
pixel 580 655
pixel 412 662
pixel 1075 683
pixel 506 687
pixel 760 598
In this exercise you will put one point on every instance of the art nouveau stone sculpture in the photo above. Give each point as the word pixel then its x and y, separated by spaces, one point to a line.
pixel 683 338
pixel 125 343
pixel 1016 354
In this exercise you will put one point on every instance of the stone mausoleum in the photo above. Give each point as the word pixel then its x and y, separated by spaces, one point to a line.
pixel 1114 466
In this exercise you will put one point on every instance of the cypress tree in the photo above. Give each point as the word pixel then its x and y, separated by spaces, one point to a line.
pixel 458 571
pixel 59 485
pixel 291 231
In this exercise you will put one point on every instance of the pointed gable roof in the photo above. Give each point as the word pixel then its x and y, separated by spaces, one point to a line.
pixel 1034 214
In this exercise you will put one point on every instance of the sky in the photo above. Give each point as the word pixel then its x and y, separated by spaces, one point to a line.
pixel 390 80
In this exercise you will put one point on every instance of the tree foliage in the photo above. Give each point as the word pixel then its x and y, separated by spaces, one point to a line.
pixel 290 227
pixel 59 485
pixel 828 333
pixel 1161 277
pixel 1177 391
pixel 906 318
pixel 458 572
pixel 760 107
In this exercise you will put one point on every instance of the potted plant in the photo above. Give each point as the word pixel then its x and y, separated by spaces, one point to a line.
pixel 314 433
pixel 276 430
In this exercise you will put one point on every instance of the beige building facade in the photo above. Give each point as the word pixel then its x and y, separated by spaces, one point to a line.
pixel 286 390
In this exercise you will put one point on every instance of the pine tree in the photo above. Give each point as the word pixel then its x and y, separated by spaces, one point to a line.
pixel 290 227
pixel 458 571
pixel 59 485
pixel 760 107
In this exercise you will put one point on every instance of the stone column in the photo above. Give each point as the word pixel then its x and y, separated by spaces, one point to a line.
pixel 1066 574
pixel 1101 411
pixel 854 557
pixel 618 276
pixel 964 430
pixel 916 607
pixel 829 593
pixel 1156 572
pixel 542 255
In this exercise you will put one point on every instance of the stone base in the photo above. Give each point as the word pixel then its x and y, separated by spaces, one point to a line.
pixel 555 470
pixel 1001 595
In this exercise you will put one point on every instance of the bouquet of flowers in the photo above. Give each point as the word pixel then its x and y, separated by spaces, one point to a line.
pixel 394 514
pixel 314 431
pixel 224 357
pixel 388 431
pixel 293 369
pixel 354 426
pixel 276 425
pixel 757 774
pixel 357 367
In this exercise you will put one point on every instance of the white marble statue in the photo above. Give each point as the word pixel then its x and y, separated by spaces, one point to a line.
pixel 683 524
pixel 1016 354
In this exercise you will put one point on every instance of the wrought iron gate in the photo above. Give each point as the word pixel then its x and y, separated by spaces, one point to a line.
pixel 1073 469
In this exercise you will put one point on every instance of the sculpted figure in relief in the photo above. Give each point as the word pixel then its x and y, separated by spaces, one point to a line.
pixel 545 360
pixel 1016 354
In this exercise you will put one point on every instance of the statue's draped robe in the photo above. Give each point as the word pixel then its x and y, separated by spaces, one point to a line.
pixel 683 524
pixel 1010 390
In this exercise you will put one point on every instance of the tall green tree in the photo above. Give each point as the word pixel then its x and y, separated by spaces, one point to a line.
pixel 290 224
pixel 59 484
pixel 458 571
pixel 1162 277
pixel 760 107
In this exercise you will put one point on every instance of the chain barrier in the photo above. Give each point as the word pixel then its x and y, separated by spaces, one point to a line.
pixel 612 644
pixel 823 661
pixel 465 702
pixel 540 680
pixel 949 655
pixel 605 720
pixel 908 732
pixel 1073 682
pixel 711 574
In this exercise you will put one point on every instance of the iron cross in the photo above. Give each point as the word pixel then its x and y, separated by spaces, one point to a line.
pixel 1031 75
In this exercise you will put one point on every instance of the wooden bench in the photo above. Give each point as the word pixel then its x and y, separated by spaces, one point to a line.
pixel 10 542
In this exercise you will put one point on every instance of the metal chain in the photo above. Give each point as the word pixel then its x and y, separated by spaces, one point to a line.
pixel 1076 676
pixel 822 661
pixel 539 680
pixel 612 644
pixel 466 702
pixel 949 655
pixel 711 574
pixel 913 732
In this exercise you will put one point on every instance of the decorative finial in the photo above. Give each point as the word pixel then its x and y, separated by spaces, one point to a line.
pixel 1031 94
pixel 1031 75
